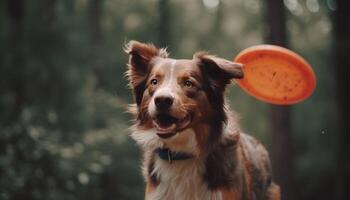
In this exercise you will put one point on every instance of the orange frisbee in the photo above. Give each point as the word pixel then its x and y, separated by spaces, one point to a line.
pixel 275 75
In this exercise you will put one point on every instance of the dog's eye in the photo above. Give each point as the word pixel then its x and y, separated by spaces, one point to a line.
pixel 188 84
pixel 154 82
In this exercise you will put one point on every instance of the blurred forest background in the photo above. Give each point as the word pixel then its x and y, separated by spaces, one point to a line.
pixel 63 128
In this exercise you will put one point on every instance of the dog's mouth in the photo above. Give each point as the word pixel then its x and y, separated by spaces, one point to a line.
pixel 167 125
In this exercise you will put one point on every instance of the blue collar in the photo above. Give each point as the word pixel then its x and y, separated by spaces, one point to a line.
pixel 166 154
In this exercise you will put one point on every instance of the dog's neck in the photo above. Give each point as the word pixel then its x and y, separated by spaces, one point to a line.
pixel 199 176
pixel 212 160
pixel 181 179
pixel 170 156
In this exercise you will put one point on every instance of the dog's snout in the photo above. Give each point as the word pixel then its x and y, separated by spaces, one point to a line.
pixel 163 102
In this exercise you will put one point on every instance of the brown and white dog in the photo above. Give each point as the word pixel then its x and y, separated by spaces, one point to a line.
pixel 193 148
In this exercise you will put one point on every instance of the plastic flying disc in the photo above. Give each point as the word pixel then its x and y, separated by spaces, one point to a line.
pixel 275 75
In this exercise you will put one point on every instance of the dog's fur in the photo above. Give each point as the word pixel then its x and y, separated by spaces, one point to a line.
pixel 225 163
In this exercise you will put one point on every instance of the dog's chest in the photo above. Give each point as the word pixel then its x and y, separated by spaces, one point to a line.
pixel 181 180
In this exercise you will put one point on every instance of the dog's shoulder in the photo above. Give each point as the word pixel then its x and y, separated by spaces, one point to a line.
pixel 258 163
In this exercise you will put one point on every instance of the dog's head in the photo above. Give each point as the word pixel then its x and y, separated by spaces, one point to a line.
pixel 173 95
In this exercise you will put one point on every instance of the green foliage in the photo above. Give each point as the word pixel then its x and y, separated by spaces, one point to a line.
pixel 63 92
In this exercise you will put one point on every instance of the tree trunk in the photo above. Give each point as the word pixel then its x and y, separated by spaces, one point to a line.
pixel 69 6
pixel 342 61
pixel 164 18
pixel 280 115
pixel 95 12
pixel 15 13
pixel 95 25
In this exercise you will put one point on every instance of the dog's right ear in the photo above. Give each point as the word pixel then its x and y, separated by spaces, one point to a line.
pixel 141 55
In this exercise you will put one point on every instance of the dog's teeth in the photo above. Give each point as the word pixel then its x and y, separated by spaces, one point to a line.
pixel 167 129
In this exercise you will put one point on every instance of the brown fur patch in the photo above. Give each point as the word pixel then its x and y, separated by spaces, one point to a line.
pixel 273 192
pixel 150 187
pixel 231 194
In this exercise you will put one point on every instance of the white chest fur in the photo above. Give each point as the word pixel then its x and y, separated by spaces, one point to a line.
pixel 181 180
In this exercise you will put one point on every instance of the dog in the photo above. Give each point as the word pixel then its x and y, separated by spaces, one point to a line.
pixel 192 146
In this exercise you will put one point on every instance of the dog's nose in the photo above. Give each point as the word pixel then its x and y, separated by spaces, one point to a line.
pixel 163 102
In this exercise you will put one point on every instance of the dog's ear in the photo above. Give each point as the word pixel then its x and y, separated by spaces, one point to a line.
pixel 140 57
pixel 218 71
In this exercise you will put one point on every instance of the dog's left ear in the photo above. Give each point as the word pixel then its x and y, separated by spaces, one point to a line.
pixel 140 58
pixel 219 70
pixel 141 54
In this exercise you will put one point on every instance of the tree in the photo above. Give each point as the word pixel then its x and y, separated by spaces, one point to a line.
pixel 15 12
pixel 280 115
pixel 164 18
pixel 95 26
pixel 342 60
